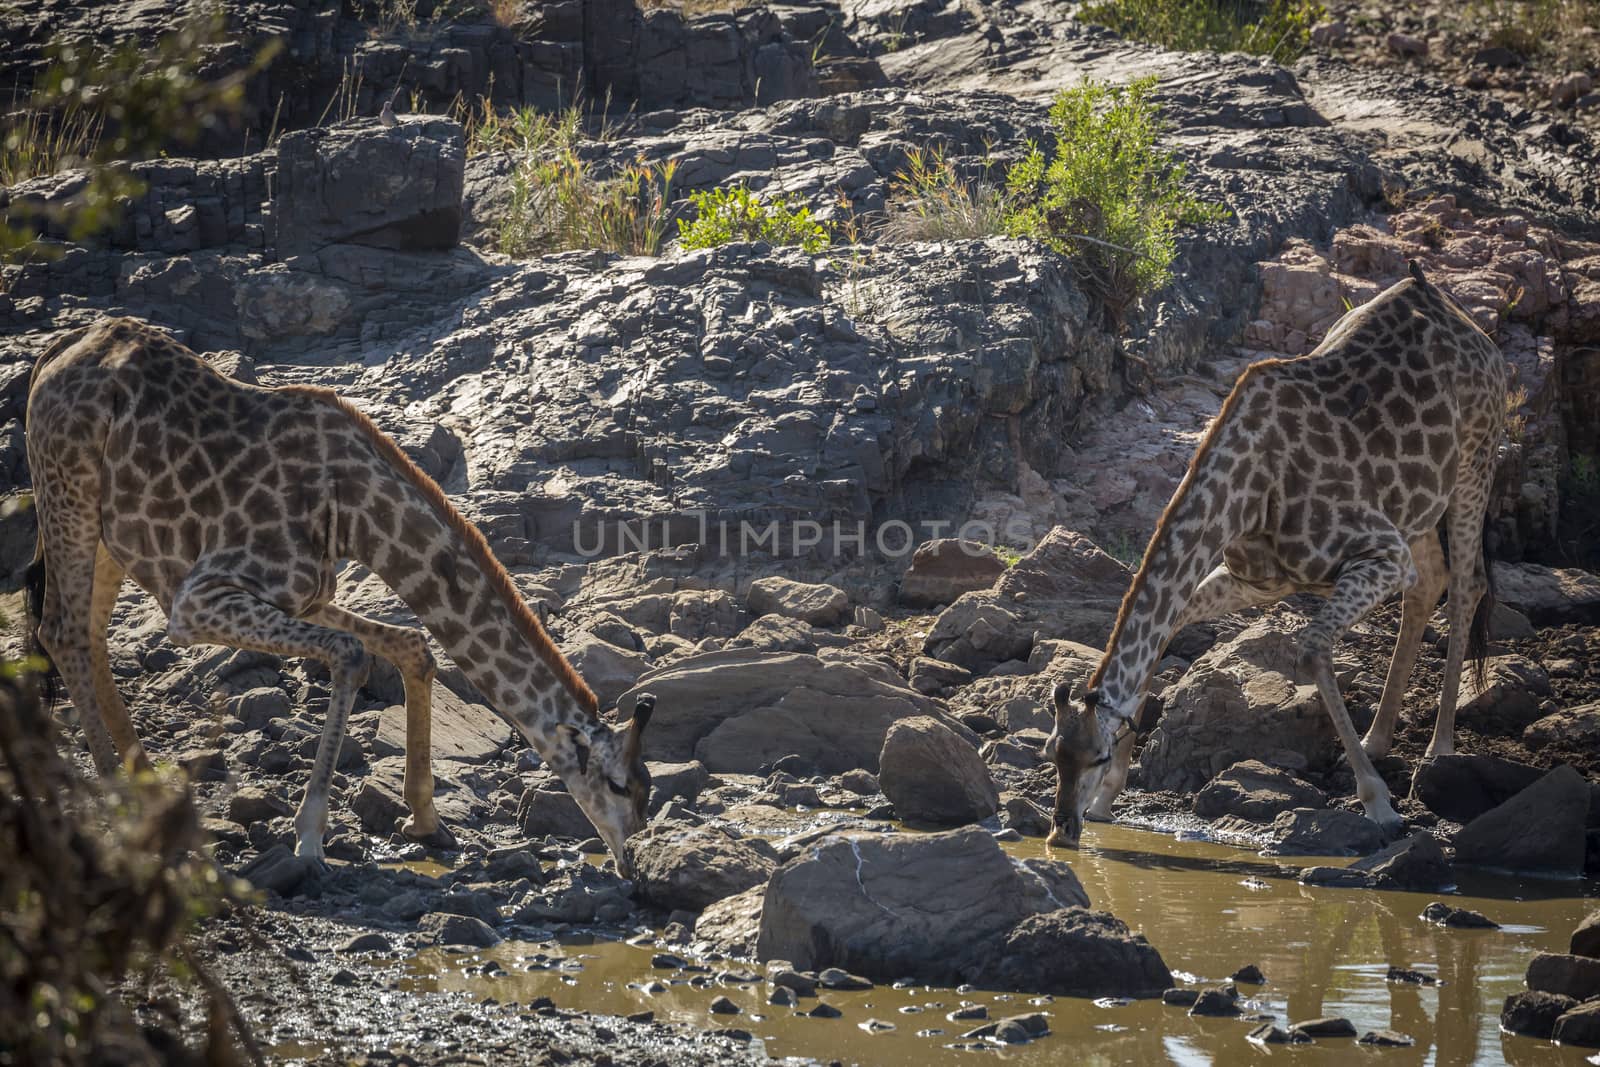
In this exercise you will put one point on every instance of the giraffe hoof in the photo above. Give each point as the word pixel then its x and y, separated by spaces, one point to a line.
pixel 1092 815
pixel 437 835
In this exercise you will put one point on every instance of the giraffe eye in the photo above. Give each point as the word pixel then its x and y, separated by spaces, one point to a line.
pixel 620 790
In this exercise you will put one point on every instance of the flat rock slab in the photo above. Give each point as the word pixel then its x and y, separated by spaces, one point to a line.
pixel 462 732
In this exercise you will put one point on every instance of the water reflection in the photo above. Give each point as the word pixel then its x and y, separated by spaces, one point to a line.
pixel 1210 909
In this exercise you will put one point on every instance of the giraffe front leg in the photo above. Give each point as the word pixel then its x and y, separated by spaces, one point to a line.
pixel 208 610
pixel 408 650
pixel 1362 585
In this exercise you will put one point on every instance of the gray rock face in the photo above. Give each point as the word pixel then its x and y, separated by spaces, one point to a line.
pixel 931 775
pixel 923 905
pixel 1548 596
pixel 359 183
pixel 819 605
pixel 942 570
pixel 1586 938
pixel 1540 829
pixel 1245 699
pixel 693 867
pixel 739 710
pixel 732 925
pixel 1252 790
pixel 1066 588
pixel 547 811
pixel 1579 1026
pixel 1573 729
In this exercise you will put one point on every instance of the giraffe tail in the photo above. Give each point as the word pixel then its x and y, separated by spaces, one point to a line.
pixel 1478 635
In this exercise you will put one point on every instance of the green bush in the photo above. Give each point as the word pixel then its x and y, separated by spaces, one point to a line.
pixel 737 214
pixel 1280 29
pixel 1107 196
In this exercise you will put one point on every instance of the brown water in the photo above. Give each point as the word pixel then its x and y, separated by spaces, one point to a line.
pixel 1208 908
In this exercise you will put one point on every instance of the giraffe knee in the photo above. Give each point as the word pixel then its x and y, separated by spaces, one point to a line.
pixel 349 659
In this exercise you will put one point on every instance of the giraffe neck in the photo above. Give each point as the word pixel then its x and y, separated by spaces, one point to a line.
pixel 466 601
pixel 1212 507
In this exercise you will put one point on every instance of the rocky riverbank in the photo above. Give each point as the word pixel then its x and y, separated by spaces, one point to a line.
pixel 730 477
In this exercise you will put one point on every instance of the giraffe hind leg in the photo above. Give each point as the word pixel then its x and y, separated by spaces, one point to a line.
pixel 209 610
pixel 1415 610
pixel 67 492
pixel 407 649
pixel 108 576
pixel 1468 583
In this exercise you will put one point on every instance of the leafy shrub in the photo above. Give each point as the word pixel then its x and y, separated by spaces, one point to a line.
pixel 737 214
pixel 1107 196
pixel 1280 29
pixel 929 201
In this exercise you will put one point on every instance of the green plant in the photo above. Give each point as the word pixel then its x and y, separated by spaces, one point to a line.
pixel 1008 555
pixel 1583 475
pixel 1107 196
pixel 1123 548
pixel 1516 421
pixel 930 202
pixel 99 109
pixel 558 203
pixel 737 214
pixel 1280 29
pixel 1533 27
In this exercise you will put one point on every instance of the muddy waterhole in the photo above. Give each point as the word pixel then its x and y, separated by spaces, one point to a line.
pixel 1209 908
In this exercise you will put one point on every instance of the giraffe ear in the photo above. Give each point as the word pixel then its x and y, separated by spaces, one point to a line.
pixel 580 746
pixel 1063 696
pixel 643 705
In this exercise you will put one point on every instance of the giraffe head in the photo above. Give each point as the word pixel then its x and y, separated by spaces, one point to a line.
pixel 1081 746
pixel 604 769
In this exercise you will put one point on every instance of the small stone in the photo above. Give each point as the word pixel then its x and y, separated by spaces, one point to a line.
pixel 836 978
pixel 666 961
pixel 1268 1034
pixel 1250 974
pixel 1404 45
pixel 342 977
pixel 782 996
pixel 803 985
pixel 724 1006
pixel 1215 1002
pixel 824 1010
pixel 371 941
pixel 1325 1026
pixel 875 1026
pixel 1400 974
pixel 968 1013
pixel 1386 1039
pixel 642 1017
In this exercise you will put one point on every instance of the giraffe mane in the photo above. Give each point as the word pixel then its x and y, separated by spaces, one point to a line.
pixel 522 616
pixel 1163 524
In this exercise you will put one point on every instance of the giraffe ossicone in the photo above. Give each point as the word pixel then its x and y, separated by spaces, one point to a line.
pixel 1329 474
pixel 231 505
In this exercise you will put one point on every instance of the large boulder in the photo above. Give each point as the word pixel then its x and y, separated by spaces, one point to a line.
pixel 1579 1027
pixel 732 926
pixel 1577 977
pixel 738 710
pixel 695 866
pixel 931 775
pixel 1323 832
pixel 1414 863
pixel 608 669
pixel 1075 952
pixel 1574 729
pixel 1461 787
pixel 1540 830
pixel 1248 698
pixel 1586 938
pixel 357 182
pixel 1515 689
pixel 1065 588
pixel 891 906
pixel 819 605
pixel 942 570
pixel 1548 596
pixel 1534 1013
pixel 552 812
pixel 1252 790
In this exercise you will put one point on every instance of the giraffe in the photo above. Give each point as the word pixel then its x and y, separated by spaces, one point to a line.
pixel 1329 474
pixel 231 504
